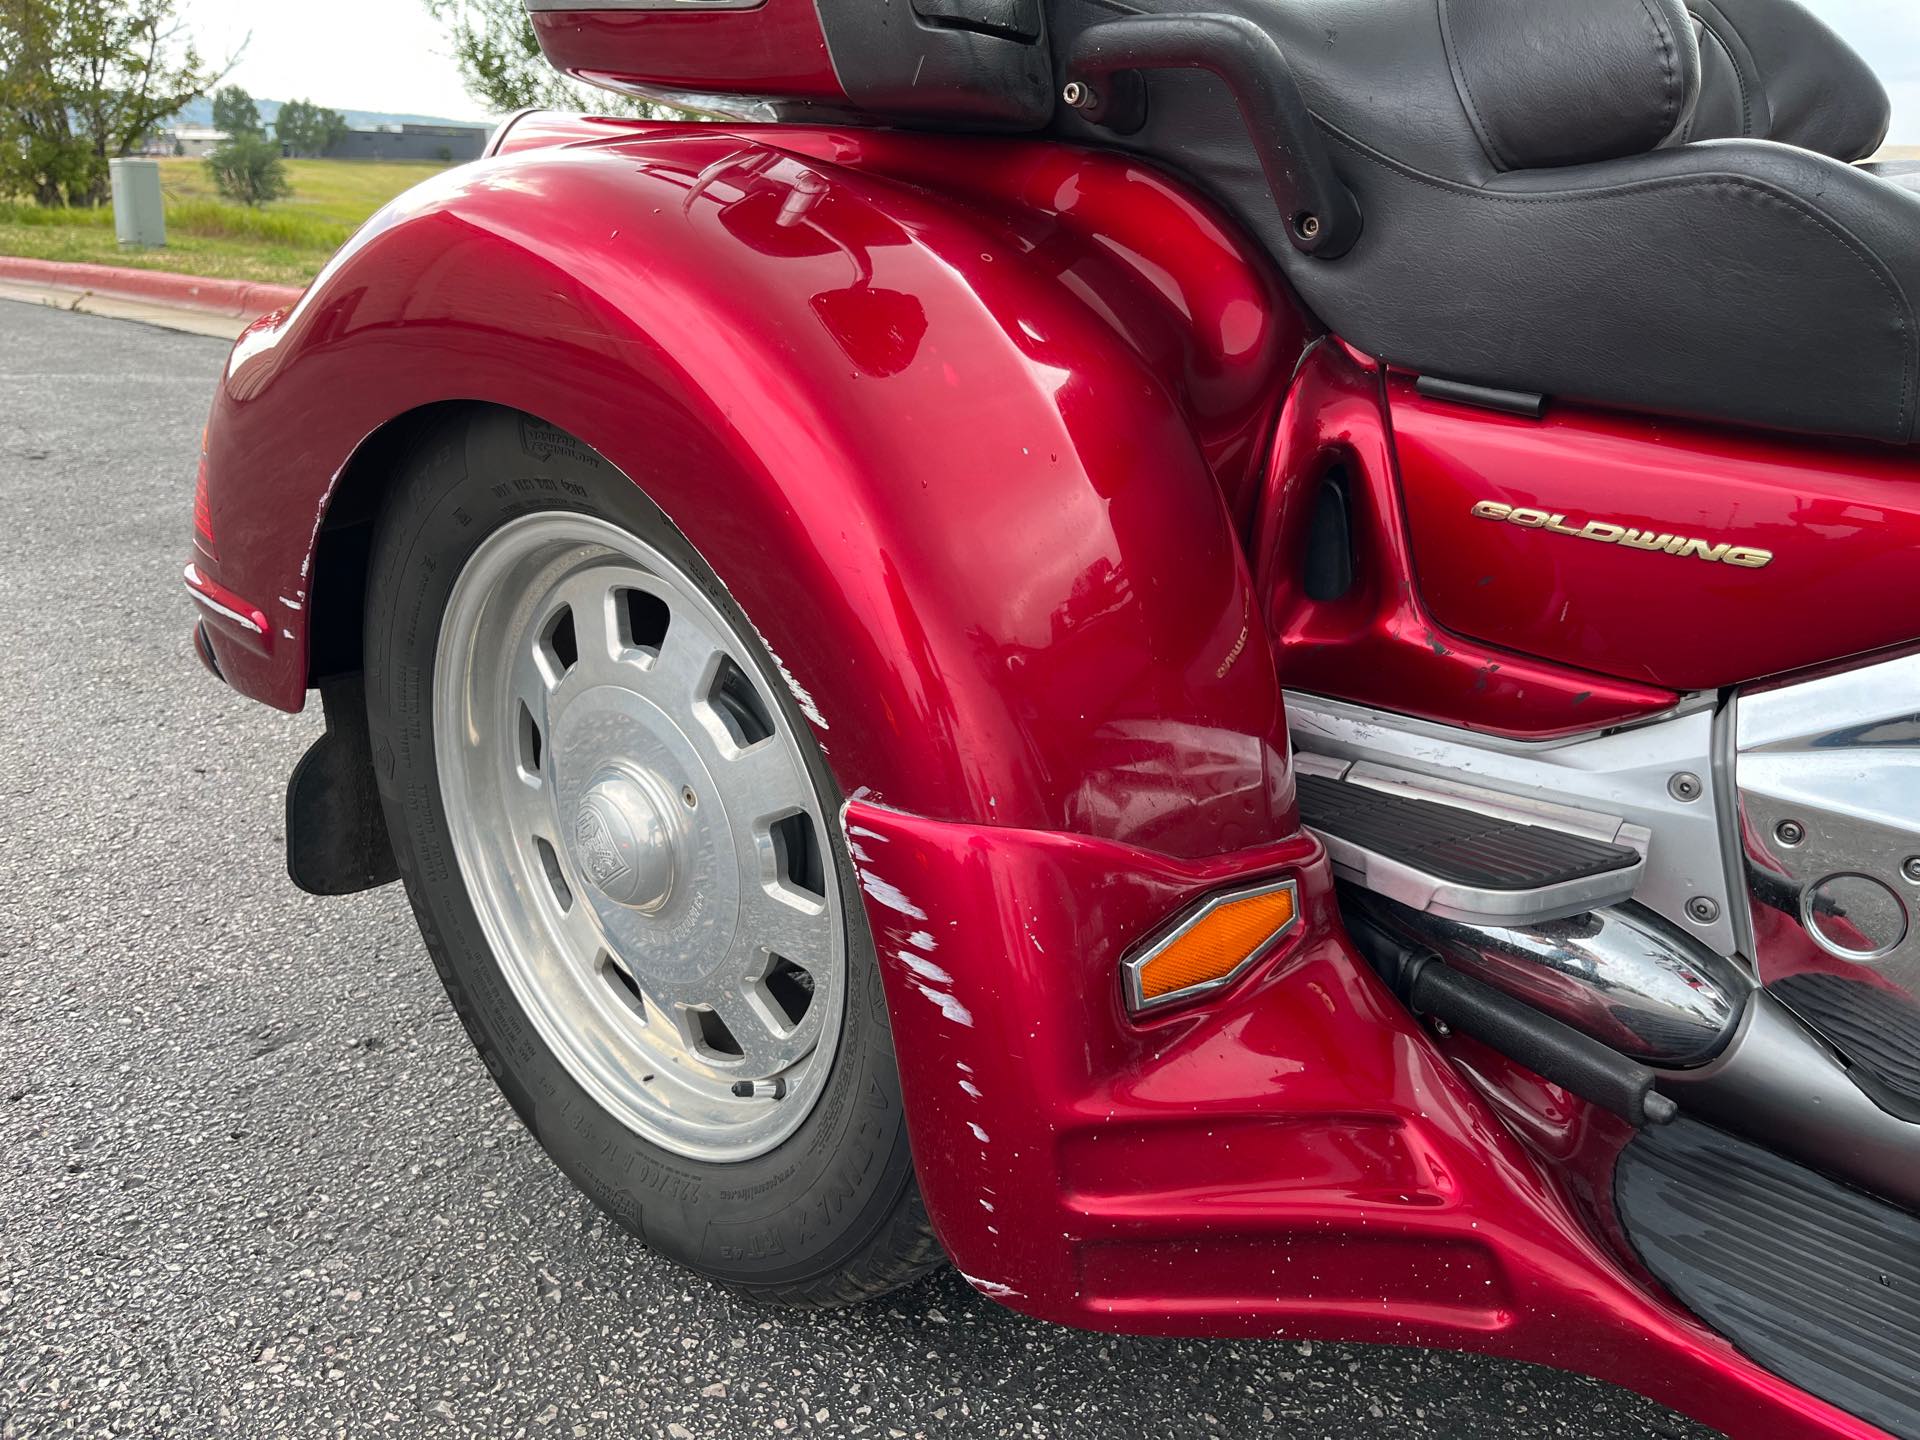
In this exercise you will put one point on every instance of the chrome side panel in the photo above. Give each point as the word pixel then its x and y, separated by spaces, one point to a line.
pixel 1629 775
pixel 1828 772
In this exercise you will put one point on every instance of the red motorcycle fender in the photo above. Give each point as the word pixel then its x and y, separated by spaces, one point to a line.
pixel 954 489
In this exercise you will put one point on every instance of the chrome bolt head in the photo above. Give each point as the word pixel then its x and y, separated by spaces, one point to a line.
pixel 1308 224
pixel 1789 832
pixel 1703 910
pixel 1685 787
pixel 1911 869
pixel 1078 94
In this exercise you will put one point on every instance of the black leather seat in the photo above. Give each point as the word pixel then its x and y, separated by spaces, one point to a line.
pixel 1554 199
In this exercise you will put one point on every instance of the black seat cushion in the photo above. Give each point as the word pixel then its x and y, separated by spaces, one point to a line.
pixel 1553 242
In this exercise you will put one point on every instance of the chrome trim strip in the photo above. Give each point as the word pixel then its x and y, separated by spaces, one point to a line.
pixel 1130 968
pixel 243 621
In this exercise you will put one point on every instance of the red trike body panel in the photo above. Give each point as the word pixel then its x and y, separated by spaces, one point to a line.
pixel 1297 1159
pixel 928 444
pixel 776 50
pixel 978 431
pixel 1840 522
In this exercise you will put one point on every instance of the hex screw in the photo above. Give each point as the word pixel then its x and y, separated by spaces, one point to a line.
pixel 1308 224
pixel 687 797
pixel 1911 869
pixel 1790 833
pixel 1703 910
pixel 1078 94
pixel 1440 1027
pixel 1685 786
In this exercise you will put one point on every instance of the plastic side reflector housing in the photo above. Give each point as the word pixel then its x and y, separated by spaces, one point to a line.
pixel 1211 945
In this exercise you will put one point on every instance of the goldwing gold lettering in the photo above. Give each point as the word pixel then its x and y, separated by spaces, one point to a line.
pixel 1607 532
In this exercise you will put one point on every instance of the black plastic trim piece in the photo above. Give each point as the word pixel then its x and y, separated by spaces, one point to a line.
pixel 1322 217
pixel 1485 397
pixel 1550 1049
pixel 1328 572
pixel 1817 1282
pixel 1877 1029
pixel 337 842
pixel 941 68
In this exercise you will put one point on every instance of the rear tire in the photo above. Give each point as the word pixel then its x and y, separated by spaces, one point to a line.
pixel 493 516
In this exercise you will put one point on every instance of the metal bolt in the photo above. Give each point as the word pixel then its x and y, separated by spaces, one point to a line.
pixel 1703 910
pixel 1912 869
pixel 1789 832
pixel 1685 786
pixel 1441 1028
pixel 687 797
pixel 1078 94
pixel 1307 224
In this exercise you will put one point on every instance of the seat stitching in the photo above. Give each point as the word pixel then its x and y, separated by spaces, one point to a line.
pixel 1488 145
pixel 1739 77
pixel 1903 310
pixel 1663 42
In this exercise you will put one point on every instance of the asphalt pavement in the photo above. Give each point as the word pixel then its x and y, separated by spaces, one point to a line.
pixel 254 1182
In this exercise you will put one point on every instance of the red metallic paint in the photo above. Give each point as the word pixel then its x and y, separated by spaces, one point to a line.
pixel 1842 520
pixel 954 420
pixel 1293 1159
pixel 953 457
pixel 776 50
pixel 1378 644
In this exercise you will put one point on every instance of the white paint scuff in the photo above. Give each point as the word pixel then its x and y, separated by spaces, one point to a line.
pixel 890 896
pixel 924 967
pixel 949 1007
pixel 992 1288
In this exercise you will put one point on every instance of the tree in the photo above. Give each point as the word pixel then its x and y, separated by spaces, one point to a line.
pixel 248 169
pixel 82 81
pixel 304 128
pixel 501 63
pixel 235 112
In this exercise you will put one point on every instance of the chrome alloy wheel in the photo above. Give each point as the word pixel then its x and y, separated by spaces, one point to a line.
pixel 639 835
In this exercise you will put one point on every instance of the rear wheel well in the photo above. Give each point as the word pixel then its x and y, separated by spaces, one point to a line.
pixel 337 593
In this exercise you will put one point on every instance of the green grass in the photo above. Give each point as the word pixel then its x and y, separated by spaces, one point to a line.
pixel 285 243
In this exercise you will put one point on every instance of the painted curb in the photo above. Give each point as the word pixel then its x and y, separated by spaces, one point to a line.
pixel 240 299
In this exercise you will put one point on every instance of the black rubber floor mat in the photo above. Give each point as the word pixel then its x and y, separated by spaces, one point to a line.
pixel 1817 1282
pixel 1874 1027
pixel 1458 846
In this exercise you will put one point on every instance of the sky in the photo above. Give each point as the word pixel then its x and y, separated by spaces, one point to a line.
pixel 391 55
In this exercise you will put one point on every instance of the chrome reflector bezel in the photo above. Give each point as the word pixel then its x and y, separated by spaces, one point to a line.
pixel 1132 967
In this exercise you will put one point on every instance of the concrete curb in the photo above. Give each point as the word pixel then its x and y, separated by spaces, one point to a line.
pixel 239 299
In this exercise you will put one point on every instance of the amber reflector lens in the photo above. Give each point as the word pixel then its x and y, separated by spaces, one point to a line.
pixel 1208 949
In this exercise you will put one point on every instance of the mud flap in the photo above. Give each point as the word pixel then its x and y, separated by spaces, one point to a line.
pixel 336 833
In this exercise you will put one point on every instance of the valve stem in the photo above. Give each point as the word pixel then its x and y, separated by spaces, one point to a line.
pixel 760 1089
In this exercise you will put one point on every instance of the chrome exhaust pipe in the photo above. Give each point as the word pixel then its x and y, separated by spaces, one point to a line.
pixel 1620 975
pixel 1727 1051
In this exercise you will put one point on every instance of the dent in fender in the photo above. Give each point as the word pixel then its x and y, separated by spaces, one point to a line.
pixel 956 486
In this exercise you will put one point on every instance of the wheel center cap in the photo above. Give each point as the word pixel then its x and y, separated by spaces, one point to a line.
pixel 622 843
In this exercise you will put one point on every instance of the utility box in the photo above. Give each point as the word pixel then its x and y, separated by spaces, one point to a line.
pixel 139 211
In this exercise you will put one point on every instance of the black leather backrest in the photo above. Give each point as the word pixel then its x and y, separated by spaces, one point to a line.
pixel 1772 71
pixel 1564 82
